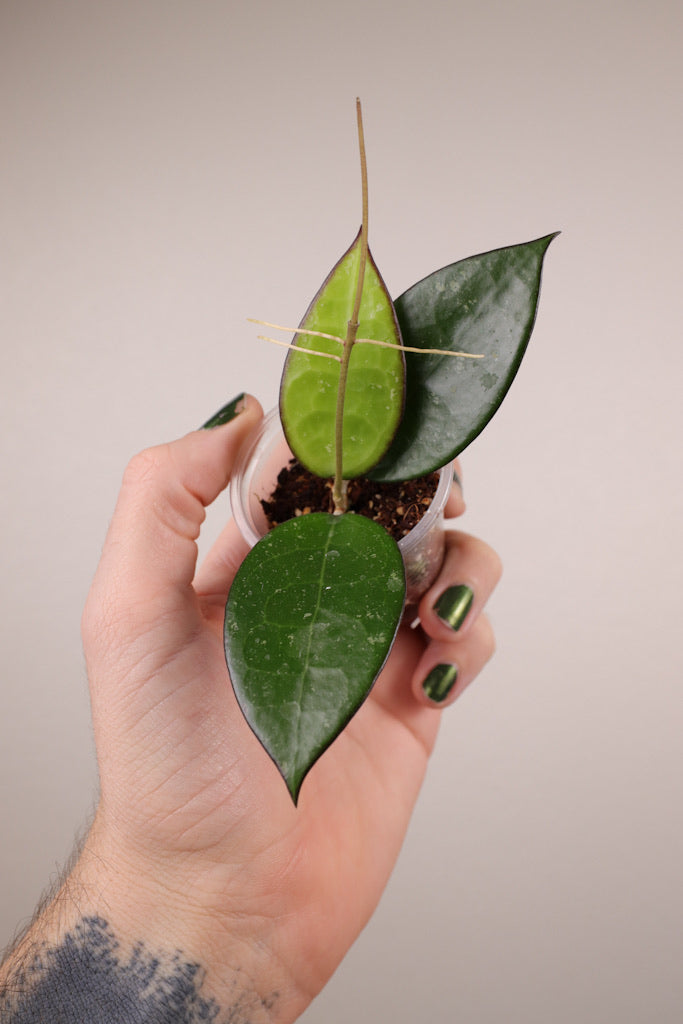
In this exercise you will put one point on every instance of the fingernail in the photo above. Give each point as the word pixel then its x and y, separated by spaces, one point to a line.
pixel 226 413
pixel 457 480
pixel 440 682
pixel 453 605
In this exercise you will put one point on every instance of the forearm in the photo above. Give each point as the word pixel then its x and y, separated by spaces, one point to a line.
pixel 99 954
pixel 84 973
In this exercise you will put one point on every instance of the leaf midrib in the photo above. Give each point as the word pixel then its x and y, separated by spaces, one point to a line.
pixel 306 663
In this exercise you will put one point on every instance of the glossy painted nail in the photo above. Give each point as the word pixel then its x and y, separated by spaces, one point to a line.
pixel 226 413
pixel 457 480
pixel 440 682
pixel 453 605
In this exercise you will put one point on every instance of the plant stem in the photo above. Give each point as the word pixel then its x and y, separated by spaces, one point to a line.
pixel 339 487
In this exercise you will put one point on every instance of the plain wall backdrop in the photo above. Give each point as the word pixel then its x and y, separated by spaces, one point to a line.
pixel 168 169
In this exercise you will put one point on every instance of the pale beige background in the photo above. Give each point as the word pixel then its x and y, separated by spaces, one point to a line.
pixel 168 169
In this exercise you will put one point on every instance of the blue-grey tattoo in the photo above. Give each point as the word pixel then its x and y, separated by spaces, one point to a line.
pixel 85 978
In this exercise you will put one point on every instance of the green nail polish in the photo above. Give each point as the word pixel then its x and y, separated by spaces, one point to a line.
pixel 226 413
pixel 453 605
pixel 440 682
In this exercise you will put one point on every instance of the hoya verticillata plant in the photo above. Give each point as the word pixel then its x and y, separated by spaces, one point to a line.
pixel 393 391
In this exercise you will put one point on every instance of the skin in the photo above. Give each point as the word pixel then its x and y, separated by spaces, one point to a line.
pixel 195 844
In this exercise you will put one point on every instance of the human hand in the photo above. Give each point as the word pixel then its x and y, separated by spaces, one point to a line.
pixel 196 844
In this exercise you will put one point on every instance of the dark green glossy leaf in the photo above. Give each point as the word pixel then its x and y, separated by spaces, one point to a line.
pixel 484 304
pixel 309 622
pixel 375 387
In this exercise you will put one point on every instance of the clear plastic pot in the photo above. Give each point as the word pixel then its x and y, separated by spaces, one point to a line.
pixel 255 475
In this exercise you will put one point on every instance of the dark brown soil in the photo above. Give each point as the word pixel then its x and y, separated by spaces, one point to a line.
pixel 397 507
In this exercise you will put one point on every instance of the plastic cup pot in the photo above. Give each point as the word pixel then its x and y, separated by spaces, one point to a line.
pixel 254 478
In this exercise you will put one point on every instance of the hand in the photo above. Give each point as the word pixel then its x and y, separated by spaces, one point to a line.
pixel 196 843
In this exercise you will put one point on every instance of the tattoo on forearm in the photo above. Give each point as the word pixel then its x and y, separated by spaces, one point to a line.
pixel 86 979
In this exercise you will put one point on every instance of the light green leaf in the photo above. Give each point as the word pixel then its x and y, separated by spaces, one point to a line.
pixel 375 387
pixel 485 304
pixel 309 622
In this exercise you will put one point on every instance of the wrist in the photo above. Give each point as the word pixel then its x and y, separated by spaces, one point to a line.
pixel 168 910
pixel 116 936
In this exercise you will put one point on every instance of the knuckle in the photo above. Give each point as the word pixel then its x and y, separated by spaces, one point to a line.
pixel 144 467
pixel 488 637
pixel 491 559
pixel 496 565
pixel 154 478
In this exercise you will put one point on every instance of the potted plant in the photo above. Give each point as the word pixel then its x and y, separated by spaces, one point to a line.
pixel 389 392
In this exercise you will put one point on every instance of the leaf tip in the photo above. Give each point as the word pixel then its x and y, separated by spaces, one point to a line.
pixel 295 779
pixel 549 238
pixel 294 791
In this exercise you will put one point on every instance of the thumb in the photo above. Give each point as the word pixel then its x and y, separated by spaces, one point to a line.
pixel 150 553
